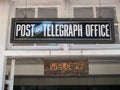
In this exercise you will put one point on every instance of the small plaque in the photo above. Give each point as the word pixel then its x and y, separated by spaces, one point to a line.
pixel 66 68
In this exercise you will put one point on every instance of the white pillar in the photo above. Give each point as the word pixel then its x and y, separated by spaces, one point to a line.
pixel 118 17
pixel 2 71
pixel 12 72
pixel 4 19
pixel 65 9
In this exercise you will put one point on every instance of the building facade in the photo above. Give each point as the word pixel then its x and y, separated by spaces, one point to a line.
pixel 25 61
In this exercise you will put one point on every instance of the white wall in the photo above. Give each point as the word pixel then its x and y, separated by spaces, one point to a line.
pixel 104 69
pixel 94 69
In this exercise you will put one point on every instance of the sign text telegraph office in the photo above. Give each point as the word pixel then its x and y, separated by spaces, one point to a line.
pixel 62 30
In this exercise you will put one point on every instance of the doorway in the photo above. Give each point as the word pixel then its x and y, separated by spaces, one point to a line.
pixel 68 87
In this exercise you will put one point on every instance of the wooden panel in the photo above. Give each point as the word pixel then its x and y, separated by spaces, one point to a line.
pixel 66 67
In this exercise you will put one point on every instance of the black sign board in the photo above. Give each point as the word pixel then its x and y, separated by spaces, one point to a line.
pixel 62 30
pixel 66 67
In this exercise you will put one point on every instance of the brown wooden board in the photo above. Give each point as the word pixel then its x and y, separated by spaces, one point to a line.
pixel 66 67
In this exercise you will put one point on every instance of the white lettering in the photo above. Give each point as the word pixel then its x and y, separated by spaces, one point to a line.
pixel 25 30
